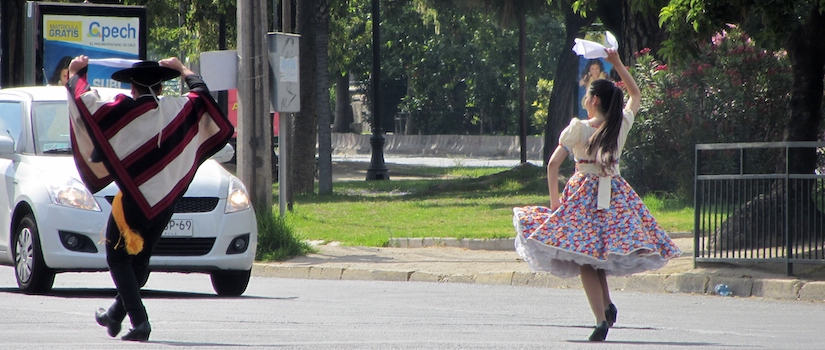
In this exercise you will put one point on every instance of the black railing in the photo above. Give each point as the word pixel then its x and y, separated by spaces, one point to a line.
pixel 749 206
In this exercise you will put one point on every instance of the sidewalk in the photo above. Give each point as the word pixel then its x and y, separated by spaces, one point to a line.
pixel 496 262
pixel 492 262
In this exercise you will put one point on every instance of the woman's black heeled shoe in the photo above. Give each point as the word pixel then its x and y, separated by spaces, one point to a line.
pixel 610 314
pixel 600 333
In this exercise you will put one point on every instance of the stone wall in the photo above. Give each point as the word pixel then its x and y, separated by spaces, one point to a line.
pixel 482 146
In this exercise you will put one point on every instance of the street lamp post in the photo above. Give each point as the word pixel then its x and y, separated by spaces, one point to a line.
pixel 377 169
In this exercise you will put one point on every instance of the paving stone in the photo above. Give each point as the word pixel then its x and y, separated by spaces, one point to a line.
pixel 501 278
pixel 418 276
pixel 280 271
pixel 686 283
pixel 459 278
pixel 398 276
pixel 777 288
pixel 357 274
pixel 739 286
pixel 812 291
pixel 326 273
pixel 645 283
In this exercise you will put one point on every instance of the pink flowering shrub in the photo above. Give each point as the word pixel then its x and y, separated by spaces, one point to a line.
pixel 733 92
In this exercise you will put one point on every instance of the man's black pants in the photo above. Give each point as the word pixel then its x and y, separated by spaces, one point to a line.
pixel 130 272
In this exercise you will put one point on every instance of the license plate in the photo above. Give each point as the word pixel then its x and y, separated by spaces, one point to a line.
pixel 179 228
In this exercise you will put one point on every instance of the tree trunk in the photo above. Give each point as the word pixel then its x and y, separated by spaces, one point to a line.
pixel 564 98
pixel 324 120
pixel 522 89
pixel 11 42
pixel 305 127
pixel 807 56
pixel 634 30
pixel 343 105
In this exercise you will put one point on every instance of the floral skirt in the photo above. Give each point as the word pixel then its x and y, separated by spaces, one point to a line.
pixel 621 240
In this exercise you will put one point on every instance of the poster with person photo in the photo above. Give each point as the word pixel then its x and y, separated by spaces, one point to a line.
pixel 589 70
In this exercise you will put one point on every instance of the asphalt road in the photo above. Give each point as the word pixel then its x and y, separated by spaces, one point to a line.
pixel 321 314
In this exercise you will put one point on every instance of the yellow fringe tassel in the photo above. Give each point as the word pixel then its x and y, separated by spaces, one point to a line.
pixel 133 240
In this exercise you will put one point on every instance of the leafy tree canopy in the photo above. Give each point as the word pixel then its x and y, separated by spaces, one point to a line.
pixel 185 28
pixel 769 23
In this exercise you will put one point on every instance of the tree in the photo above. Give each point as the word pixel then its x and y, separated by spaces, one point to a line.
pixel 12 18
pixel 517 11
pixel 347 33
pixel 187 28
pixel 305 127
pixel 564 98
pixel 453 69
pixel 795 26
pixel 635 25
pixel 322 97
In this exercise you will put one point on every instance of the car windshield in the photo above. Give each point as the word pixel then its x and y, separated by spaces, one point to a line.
pixel 50 121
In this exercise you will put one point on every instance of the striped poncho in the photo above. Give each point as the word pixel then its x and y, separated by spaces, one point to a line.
pixel 151 149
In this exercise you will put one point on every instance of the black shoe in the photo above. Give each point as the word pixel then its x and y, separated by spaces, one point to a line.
pixel 600 333
pixel 611 314
pixel 103 319
pixel 138 333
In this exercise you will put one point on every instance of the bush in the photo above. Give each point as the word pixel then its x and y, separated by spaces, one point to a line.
pixel 734 92
pixel 276 240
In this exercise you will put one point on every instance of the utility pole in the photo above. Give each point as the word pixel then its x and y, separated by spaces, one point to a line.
pixel 285 131
pixel 254 124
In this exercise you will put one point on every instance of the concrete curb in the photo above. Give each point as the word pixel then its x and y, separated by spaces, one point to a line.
pixel 694 281
pixel 790 289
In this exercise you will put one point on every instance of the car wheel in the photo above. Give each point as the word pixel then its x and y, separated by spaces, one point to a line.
pixel 31 272
pixel 230 283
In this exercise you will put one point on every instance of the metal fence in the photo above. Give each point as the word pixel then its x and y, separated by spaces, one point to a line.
pixel 749 206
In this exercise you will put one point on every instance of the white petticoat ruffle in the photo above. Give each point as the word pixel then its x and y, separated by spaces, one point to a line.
pixel 567 264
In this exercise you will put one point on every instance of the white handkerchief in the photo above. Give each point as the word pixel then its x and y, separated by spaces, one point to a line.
pixel 113 62
pixel 591 49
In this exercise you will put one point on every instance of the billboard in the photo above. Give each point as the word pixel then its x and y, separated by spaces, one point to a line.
pixel 59 32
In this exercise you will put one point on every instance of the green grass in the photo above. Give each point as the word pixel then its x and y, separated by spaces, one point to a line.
pixel 458 202
pixel 674 214
pixel 276 239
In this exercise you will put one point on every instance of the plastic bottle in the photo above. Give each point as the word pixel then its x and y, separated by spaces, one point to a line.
pixel 723 290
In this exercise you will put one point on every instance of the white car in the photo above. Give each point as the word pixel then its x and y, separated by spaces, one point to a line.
pixel 50 222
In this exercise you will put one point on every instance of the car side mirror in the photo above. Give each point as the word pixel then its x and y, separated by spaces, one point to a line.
pixel 6 145
pixel 225 154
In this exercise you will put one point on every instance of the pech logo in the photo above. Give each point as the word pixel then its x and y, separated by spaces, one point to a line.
pixel 96 30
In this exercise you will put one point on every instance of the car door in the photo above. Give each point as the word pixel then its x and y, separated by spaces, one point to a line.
pixel 11 112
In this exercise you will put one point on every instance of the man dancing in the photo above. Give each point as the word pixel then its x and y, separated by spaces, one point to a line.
pixel 150 146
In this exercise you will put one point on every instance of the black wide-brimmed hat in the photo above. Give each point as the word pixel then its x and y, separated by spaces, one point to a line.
pixel 146 73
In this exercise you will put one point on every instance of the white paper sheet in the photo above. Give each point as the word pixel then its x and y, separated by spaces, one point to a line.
pixel 591 49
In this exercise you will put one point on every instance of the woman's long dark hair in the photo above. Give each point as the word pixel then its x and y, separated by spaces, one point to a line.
pixel 605 141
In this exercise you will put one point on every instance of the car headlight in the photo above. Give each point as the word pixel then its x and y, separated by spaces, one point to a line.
pixel 237 199
pixel 69 192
